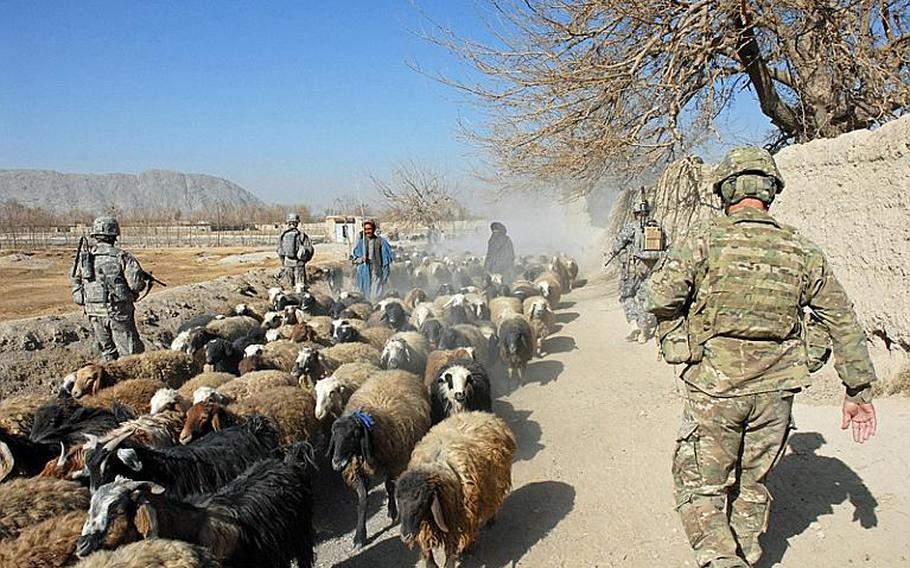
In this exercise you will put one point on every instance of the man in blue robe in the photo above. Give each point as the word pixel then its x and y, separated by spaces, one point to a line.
pixel 372 256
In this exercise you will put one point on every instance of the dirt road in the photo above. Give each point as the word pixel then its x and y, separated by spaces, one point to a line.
pixel 596 422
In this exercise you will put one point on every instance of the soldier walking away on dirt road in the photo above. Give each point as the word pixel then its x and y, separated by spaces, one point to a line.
pixel 730 301
pixel 373 257
pixel 106 281
pixel 641 258
pixel 294 250
pixel 500 257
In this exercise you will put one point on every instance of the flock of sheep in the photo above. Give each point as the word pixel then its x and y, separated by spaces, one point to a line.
pixel 203 455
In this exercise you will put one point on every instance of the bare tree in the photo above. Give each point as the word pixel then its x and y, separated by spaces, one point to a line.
pixel 589 87
pixel 419 196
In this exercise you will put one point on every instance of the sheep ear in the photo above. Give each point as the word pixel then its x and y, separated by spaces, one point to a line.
pixel 366 447
pixel 6 461
pixel 96 385
pixel 216 419
pixel 438 517
pixel 146 521
pixel 129 458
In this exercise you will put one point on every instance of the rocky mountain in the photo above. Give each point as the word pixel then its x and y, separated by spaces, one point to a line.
pixel 158 189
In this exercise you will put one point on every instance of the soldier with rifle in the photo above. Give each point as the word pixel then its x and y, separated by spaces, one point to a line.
pixel 644 245
pixel 294 250
pixel 106 282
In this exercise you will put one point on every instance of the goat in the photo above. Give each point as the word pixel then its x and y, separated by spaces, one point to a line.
pixel 263 517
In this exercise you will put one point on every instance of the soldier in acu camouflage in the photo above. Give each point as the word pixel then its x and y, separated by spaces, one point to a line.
pixel 732 301
pixel 637 268
pixel 294 250
pixel 106 281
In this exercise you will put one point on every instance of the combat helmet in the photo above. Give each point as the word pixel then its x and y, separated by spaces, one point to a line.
pixel 747 162
pixel 642 209
pixel 293 218
pixel 105 226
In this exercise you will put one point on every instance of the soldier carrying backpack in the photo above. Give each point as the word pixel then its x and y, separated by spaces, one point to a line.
pixel 294 250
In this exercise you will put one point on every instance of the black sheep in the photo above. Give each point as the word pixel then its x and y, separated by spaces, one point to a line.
pixel 433 330
pixel 66 421
pixel 21 457
pixel 516 345
pixel 396 317
pixel 221 356
pixel 316 305
pixel 264 517
pixel 199 467
pixel 462 386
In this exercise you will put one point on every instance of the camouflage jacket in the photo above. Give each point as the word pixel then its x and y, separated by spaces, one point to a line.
pixel 741 282
pixel 632 235
pixel 116 282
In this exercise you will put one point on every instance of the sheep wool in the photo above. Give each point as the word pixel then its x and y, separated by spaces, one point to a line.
pixel 400 408
pixel 292 408
pixel 135 393
pixel 17 412
pixel 467 461
pixel 256 382
pixel 351 353
pixel 211 379
pixel 158 552
pixel 28 501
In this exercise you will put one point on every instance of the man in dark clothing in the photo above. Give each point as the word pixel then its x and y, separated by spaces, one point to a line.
pixel 500 252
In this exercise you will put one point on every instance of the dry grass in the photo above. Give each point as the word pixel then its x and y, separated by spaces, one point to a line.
pixel 37 283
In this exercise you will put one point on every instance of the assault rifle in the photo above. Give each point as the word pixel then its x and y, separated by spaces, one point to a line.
pixel 150 281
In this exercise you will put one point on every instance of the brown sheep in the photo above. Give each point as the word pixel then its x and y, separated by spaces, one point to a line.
pixel 374 437
pixel 542 319
pixel 52 542
pixel 457 479
pixel 559 268
pixel 550 288
pixel 571 266
pixel 524 289
pixel 158 552
pixel 135 393
pixel 211 379
pixel 439 360
pixel 256 382
pixel 342 353
pixel 322 325
pixel 17 412
pixel 28 501
pixel 377 336
pixel 414 297
pixel 360 310
pixel 292 408
pixel 173 368
pixel 503 307
pixel 280 355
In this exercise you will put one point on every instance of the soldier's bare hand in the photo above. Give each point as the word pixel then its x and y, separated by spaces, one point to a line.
pixel 862 418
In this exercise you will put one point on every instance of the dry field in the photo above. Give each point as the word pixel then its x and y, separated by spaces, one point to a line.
pixel 37 283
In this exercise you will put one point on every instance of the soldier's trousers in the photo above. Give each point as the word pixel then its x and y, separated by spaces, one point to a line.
pixel 295 275
pixel 633 298
pixel 724 451
pixel 116 337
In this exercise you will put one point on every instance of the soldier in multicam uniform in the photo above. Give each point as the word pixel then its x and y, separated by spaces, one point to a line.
pixel 638 267
pixel 294 250
pixel 731 300
pixel 106 281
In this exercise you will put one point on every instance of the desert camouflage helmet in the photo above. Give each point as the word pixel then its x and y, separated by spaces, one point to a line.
pixel 105 226
pixel 747 160
pixel 293 218
pixel 642 208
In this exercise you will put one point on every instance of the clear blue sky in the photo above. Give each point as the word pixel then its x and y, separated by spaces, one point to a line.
pixel 296 101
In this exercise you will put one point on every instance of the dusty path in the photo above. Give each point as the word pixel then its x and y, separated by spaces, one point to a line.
pixel 596 422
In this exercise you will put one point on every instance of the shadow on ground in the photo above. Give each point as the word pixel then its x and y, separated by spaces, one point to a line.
pixel 561 344
pixel 388 552
pixel 542 372
pixel 806 486
pixel 566 317
pixel 527 432
pixel 335 505
pixel 527 516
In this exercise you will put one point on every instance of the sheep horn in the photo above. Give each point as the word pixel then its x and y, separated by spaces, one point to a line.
pixel 61 461
pixel 112 444
pixel 6 461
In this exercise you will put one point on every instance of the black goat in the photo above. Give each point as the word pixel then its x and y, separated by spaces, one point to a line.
pixel 202 466
pixel 66 421
pixel 20 457
pixel 221 355
pixel 264 517
pixel 516 345
pixel 316 305
pixel 396 317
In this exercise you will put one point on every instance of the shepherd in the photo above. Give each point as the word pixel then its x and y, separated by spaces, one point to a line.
pixel 373 257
